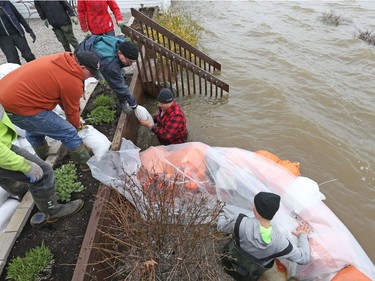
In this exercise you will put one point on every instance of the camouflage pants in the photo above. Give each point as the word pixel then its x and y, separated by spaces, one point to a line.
pixel 66 36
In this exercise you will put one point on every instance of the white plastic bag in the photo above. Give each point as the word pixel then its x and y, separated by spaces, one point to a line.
pixel 94 140
pixel 6 212
pixel 143 115
pixel 6 68
pixel 3 195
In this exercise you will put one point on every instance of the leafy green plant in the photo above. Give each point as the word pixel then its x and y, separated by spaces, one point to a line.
pixel 181 24
pixel 36 261
pixel 101 114
pixel 67 182
pixel 104 100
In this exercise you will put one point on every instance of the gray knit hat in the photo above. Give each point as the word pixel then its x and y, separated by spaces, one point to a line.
pixel 129 49
pixel 165 96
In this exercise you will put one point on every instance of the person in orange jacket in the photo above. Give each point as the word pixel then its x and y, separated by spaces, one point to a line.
pixel 94 17
pixel 31 92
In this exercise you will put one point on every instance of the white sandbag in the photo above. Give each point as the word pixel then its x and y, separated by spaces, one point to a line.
pixel 142 114
pixel 6 68
pixel 6 212
pixel 24 143
pixel 20 132
pixel 3 196
pixel 58 110
pixel 94 140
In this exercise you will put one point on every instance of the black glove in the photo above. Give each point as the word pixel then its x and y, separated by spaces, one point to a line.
pixel 33 36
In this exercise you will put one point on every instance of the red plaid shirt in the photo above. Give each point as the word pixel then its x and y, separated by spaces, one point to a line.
pixel 171 127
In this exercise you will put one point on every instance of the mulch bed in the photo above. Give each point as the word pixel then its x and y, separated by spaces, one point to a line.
pixel 64 238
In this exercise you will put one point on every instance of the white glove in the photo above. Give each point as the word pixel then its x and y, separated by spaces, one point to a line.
pixel 35 172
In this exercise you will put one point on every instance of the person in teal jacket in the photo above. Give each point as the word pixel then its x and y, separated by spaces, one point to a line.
pixel 21 171
pixel 114 54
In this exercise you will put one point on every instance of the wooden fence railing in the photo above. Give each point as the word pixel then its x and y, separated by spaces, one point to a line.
pixel 159 67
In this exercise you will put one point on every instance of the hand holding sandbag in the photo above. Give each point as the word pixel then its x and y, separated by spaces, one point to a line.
pixel 35 173
pixel 95 140
pixel 144 116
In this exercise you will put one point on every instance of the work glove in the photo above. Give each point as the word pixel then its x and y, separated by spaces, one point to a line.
pixel 35 172
pixel 86 33
pixel 33 36
pixel 46 23
pixel 74 20
pixel 120 24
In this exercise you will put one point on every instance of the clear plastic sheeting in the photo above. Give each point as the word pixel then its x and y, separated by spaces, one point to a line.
pixel 234 176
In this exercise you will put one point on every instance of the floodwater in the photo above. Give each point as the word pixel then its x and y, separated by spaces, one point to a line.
pixel 299 88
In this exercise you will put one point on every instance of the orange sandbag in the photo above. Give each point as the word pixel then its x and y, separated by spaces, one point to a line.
pixel 268 155
pixel 292 167
pixel 350 273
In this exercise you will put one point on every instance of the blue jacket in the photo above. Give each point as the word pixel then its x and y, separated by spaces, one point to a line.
pixel 14 17
pixel 106 48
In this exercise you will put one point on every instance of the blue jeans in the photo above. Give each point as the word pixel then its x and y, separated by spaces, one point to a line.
pixel 47 123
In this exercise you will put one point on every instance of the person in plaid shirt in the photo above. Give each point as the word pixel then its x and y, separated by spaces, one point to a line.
pixel 170 122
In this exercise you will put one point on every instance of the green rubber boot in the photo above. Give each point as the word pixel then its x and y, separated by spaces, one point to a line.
pixel 80 155
pixel 42 150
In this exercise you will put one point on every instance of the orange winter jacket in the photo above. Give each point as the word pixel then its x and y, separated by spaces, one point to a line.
pixel 42 84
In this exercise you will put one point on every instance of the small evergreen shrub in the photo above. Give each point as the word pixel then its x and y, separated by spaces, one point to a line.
pixel 104 100
pixel 67 182
pixel 100 115
pixel 36 261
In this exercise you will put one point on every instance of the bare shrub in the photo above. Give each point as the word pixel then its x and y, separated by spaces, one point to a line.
pixel 331 18
pixel 168 233
pixel 367 36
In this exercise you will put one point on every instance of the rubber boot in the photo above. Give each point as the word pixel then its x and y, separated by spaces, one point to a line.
pixel 80 155
pixel 47 204
pixel 42 150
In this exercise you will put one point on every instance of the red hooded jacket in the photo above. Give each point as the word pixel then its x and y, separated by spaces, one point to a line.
pixel 94 16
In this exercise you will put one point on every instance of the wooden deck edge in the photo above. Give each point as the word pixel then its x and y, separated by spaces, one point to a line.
pixel 126 128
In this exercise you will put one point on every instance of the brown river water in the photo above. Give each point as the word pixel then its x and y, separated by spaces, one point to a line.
pixel 299 88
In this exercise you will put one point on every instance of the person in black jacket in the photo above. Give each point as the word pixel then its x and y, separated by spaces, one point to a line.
pixel 60 15
pixel 12 35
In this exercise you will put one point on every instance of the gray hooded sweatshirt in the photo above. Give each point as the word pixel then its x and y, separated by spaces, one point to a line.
pixel 252 242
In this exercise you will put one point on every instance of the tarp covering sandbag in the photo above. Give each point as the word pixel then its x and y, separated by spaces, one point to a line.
pixel 234 176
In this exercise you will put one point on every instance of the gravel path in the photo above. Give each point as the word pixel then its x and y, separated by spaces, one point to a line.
pixel 46 42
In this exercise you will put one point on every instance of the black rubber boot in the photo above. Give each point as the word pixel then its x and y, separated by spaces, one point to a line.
pixel 51 209
pixel 80 155
pixel 42 150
